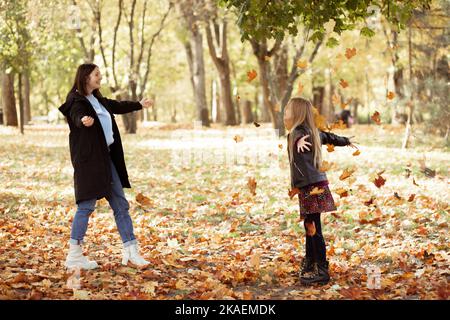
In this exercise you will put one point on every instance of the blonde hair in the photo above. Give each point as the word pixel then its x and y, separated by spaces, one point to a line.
pixel 303 112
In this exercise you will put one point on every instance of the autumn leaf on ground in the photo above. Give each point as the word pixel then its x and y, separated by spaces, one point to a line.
pixel 376 117
pixel 411 197
pixel 251 75
pixel 346 173
pixel 330 147
pixel 349 53
pixel 81 294
pixel 143 200
pixel 341 192
pixel 238 138
pixel 302 64
pixel 316 190
pixel 343 83
pixel 149 287
pixel 293 192
pixel 251 184
pixel 390 95
pixel 255 260
pixel 256 124
pixel 369 202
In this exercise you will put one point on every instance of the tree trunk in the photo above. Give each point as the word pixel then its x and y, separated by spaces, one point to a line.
pixel 21 109
pixel 199 77
pixel 26 97
pixel 8 100
pixel 247 115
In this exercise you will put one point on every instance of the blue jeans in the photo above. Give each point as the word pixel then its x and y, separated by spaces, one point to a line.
pixel 120 207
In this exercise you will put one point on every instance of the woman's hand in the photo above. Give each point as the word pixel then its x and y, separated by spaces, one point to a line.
pixel 87 121
pixel 146 103
pixel 302 143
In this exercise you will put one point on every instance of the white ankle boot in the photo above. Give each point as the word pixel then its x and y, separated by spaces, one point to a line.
pixel 75 258
pixel 131 256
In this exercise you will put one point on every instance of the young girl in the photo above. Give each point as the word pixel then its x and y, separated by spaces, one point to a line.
pixel 99 166
pixel 305 158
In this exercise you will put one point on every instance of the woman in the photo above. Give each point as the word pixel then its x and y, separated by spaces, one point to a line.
pixel 99 166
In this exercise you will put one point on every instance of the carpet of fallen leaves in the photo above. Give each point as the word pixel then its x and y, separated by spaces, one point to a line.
pixel 220 229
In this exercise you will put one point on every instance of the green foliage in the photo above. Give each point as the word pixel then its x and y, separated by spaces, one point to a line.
pixel 274 19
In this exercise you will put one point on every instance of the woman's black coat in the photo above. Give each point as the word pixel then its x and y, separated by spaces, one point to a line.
pixel 88 150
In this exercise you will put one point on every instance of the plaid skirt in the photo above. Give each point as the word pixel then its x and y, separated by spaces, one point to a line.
pixel 315 203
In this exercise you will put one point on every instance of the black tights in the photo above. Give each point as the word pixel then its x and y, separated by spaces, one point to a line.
pixel 315 245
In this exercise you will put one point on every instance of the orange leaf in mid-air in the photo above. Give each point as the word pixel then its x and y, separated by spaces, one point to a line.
pixel 330 147
pixel 336 99
pixel 379 181
pixel 345 104
pixel 390 95
pixel 238 138
pixel 343 83
pixel 310 228
pixel 325 166
pixel 342 192
pixel 376 117
pixel 411 197
pixel 293 192
pixel 347 173
pixel 349 53
pixel 356 153
pixel 338 125
pixel 302 64
pixel 319 120
pixel 251 75
pixel 316 190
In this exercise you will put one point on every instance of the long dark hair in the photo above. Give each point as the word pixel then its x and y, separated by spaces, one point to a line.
pixel 79 84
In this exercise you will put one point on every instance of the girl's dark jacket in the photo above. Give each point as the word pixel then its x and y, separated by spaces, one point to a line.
pixel 303 171
pixel 88 150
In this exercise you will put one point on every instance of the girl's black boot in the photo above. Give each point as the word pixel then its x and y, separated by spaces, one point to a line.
pixel 319 275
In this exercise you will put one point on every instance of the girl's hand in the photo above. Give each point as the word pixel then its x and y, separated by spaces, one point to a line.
pixel 87 121
pixel 351 143
pixel 146 103
pixel 302 143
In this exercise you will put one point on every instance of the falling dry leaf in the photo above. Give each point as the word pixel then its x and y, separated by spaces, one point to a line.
pixel 343 83
pixel 251 75
pixel 302 64
pixel 316 190
pixel 330 147
pixel 346 173
pixel 293 192
pixel 349 53
pixel 390 95
pixel 376 117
